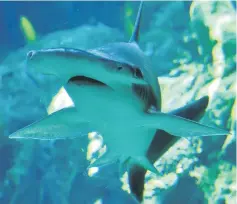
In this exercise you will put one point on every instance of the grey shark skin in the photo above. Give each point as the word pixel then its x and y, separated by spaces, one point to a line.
pixel 115 93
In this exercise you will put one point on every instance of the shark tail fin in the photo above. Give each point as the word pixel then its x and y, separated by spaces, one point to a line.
pixel 135 34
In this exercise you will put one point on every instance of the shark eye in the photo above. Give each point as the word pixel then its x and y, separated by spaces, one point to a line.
pixel 119 68
pixel 137 73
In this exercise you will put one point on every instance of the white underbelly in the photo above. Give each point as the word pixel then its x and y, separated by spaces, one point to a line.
pixel 128 141
pixel 103 105
pixel 113 116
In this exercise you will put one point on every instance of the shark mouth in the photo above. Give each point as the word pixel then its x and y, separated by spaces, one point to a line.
pixel 142 91
pixel 83 80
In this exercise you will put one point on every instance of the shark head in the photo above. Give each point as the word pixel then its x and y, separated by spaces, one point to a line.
pixel 118 65
pixel 98 64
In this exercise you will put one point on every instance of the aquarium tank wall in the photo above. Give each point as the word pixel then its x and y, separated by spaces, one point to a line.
pixel 192 47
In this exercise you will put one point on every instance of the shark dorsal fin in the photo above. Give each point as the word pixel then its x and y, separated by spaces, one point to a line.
pixel 135 34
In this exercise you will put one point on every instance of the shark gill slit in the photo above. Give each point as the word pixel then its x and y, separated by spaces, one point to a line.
pixel 145 93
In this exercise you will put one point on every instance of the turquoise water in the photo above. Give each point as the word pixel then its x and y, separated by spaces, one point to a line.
pixel 191 45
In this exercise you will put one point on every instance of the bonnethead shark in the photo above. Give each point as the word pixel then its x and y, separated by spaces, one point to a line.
pixel 115 93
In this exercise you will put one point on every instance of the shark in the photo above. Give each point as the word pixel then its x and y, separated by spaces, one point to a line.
pixel 115 93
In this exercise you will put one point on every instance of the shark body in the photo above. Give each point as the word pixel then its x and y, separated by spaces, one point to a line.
pixel 115 93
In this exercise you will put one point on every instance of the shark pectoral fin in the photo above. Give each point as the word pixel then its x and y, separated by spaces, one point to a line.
pixel 179 126
pixel 59 125
pixel 143 162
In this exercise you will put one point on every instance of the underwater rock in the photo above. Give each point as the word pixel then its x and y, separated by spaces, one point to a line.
pixel 168 25
pixel 191 81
